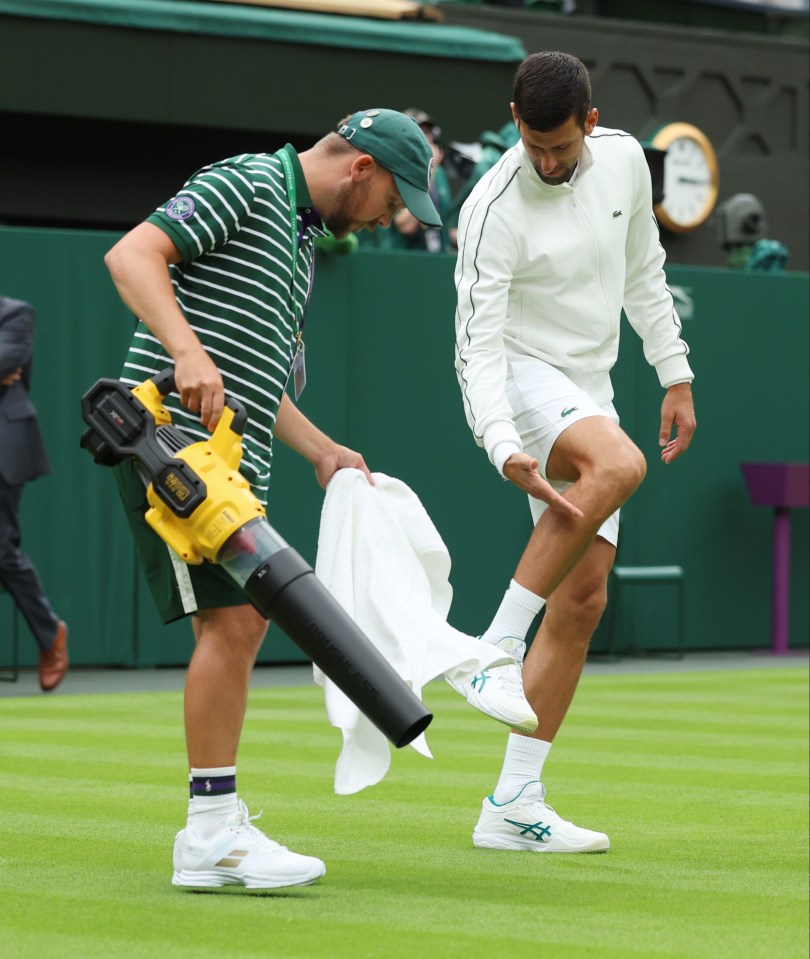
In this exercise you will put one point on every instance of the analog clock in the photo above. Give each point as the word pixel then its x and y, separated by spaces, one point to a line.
pixel 691 177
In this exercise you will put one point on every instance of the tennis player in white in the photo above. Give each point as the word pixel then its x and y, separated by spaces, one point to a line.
pixel 554 241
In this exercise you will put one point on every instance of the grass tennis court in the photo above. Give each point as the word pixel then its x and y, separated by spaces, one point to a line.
pixel 700 779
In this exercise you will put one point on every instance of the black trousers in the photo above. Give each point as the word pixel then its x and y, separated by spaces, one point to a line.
pixel 17 573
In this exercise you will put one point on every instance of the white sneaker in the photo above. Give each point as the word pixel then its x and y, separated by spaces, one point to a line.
pixel 528 822
pixel 239 855
pixel 497 691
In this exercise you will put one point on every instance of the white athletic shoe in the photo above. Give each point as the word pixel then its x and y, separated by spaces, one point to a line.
pixel 497 691
pixel 240 855
pixel 528 822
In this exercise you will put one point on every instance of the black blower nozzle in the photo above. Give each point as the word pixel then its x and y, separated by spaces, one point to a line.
pixel 286 590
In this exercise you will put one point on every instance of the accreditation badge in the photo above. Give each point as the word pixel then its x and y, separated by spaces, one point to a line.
pixel 299 369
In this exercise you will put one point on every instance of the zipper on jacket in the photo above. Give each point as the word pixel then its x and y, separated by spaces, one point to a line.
pixel 582 216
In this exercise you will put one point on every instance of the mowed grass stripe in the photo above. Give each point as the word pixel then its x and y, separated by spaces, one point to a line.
pixel 583 912
pixel 709 854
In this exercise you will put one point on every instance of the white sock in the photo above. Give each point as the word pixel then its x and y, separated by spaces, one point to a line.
pixel 522 763
pixel 515 615
pixel 213 799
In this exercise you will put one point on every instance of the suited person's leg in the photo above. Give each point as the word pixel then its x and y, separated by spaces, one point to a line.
pixel 17 573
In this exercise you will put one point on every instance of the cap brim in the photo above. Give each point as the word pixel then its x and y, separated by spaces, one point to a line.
pixel 418 202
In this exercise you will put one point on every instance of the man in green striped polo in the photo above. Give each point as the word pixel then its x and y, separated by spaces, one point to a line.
pixel 220 278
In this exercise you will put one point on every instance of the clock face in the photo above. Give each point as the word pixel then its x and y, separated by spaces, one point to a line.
pixel 690 177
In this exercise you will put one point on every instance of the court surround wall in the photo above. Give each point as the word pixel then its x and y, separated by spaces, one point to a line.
pixel 380 355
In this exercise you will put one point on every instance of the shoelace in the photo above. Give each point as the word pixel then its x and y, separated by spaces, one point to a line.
pixel 541 801
pixel 246 822
pixel 510 679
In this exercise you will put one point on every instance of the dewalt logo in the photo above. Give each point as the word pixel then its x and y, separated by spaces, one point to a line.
pixel 175 485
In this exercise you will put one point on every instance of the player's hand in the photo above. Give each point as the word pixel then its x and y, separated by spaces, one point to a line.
pixel 521 469
pixel 339 457
pixel 200 387
pixel 678 414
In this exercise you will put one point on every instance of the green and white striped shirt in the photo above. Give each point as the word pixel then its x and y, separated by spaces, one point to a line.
pixel 232 225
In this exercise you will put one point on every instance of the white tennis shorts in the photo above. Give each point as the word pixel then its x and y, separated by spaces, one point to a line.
pixel 546 402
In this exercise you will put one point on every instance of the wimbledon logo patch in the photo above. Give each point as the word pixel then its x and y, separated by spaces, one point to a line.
pixel 180 207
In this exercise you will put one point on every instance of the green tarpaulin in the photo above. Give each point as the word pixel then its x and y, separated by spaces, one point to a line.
pixel 280 26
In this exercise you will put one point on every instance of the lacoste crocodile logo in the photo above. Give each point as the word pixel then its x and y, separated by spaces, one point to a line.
pixel 616 213
pixel 569 411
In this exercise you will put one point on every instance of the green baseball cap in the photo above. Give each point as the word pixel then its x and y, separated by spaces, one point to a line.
pixel 397 143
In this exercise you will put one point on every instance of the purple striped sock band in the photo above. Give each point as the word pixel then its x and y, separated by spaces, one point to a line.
pixel 212 785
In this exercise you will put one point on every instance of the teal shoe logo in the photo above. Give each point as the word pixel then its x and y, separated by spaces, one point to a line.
pixel 569 411
pixel 480 681
pixel 534 829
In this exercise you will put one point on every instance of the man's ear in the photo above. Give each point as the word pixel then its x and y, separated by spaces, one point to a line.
pixel 515 116
pixel 591 120
pixel 362 168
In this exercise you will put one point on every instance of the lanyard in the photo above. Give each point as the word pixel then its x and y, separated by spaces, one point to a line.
pixel 289 176
pixel 298 370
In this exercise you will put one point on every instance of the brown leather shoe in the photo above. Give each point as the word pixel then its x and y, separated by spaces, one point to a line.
pixel 53 663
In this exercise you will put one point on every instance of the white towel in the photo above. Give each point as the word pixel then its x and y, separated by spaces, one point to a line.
pixel 381 557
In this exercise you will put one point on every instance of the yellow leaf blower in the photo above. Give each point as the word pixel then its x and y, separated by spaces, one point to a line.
pixel 203 507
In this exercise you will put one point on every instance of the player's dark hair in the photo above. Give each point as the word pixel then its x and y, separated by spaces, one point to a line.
pixel 550 88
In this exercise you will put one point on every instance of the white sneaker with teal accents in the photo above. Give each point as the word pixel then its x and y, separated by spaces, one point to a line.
pixel 497 691
pixel 529 823
pixel 239 855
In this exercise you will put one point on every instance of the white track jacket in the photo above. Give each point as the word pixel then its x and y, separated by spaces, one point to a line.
pixel 545 271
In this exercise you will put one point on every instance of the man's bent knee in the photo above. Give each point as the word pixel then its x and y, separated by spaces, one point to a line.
pixel 631 467
pixel 617 475
pixel 598 450
pixel 240 628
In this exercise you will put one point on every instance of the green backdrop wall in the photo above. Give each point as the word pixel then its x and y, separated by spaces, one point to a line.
pixel 380 379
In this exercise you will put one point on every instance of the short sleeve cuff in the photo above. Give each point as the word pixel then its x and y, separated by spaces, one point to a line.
pixel 161 221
